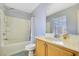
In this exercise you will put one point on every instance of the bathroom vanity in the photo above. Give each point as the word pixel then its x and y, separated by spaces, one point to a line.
pixel 49 47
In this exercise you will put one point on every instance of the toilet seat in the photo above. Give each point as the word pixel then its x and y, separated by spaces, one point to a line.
pixel 30 46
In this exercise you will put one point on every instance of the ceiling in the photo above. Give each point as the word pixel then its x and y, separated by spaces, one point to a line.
pixel 29 7
pixel 56 7
pixel 26 7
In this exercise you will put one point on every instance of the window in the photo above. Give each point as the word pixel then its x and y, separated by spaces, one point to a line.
pixel 60 26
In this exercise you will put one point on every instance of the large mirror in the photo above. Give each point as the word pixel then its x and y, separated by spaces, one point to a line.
pixel 62 21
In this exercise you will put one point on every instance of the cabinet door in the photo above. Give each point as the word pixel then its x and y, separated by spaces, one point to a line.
pixel 77 54
pixel 40 48
pixel 56 51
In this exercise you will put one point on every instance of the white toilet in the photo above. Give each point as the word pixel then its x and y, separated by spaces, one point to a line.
pixel 30 47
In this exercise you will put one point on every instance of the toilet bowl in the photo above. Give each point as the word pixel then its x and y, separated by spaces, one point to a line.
pixel 30 47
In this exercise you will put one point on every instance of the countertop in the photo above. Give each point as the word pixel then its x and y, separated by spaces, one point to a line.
pixel 60 43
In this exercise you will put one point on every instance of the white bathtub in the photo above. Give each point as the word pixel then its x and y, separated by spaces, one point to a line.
pixel 11 49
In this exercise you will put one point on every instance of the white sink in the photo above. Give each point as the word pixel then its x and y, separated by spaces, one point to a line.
pixel 54 40
pixel 72 42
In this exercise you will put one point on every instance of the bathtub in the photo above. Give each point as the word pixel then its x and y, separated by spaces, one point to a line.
pixel 11 49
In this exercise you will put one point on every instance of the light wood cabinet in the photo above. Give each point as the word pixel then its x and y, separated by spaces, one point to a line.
pixel 44 48
pixel 40 48
pixel 56 51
